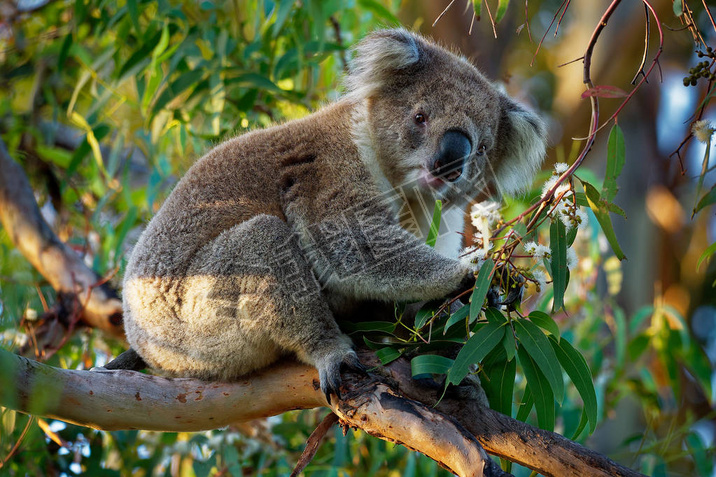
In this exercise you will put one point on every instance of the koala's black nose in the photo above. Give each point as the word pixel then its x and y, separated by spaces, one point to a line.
pixel 455 147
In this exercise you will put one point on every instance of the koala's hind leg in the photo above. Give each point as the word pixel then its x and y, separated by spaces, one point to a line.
pixel 256 283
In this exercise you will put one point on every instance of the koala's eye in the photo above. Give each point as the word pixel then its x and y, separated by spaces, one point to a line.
pixel 420 118
pixel 481 150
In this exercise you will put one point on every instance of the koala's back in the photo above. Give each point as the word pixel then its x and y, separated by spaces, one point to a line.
pixel 170 299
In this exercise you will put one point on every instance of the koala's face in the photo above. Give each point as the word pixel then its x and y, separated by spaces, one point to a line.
pixel 436 124
pixel 436 131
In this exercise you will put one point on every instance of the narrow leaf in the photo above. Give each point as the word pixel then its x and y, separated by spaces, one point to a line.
pixel 582 424
pixel 477 8
pixel 435 224
pixel 430 364
pixel 459 315
pixel 558 263
pixel 475 350
pixel 367 326
pixel 541 390
pixel 528 401
pixel 578 371
pixel 536 344
pixel 678 8
pixel 387 355
pixel 544 321
pixel 498 380
pixel 707 253
pixel 501 9
pixel 708 199
pixel 616 154
pixel 482 285
pixel 601 212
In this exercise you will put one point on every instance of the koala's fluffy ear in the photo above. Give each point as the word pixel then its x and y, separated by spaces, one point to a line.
pixel 379 56
pixel 521 143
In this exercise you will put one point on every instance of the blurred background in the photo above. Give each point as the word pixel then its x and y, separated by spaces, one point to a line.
pixel 106 104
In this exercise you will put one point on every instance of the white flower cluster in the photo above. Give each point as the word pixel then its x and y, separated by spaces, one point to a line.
pixel 484 216
pixel 702 130
pixel 537 251
pixel 473 257
pixel 565 209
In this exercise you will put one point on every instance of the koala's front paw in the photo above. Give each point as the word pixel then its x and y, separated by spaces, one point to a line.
pixel 329 371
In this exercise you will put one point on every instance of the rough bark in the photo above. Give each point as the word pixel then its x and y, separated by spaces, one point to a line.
pixel 390 405
pixel 79 288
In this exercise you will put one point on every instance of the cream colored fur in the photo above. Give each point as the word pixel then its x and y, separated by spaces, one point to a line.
pixel 273 233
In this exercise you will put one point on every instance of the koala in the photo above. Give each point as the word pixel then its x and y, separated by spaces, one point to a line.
pixel 273 234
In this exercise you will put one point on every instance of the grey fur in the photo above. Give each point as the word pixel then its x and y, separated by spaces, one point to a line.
pixel 273 233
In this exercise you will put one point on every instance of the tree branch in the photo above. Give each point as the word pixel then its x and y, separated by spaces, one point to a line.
pixel 98 305
pixel 392 406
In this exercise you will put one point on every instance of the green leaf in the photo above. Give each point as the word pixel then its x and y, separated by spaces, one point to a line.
pixel 140 56
pixel 541 390
pixel 708 199
pixel 707 253
pixel 435 224
pixel 578 371
pixel 482 285
pixel 387 355
pixel 128 222
pixel 176 87
pixel 254 80
pixel 544 321
pixel 501 9
pixel 476 348
pixel 368 326
pixel 528 401
pixel 422 317
pixel 495 316
pixel 134 15
pixel 380 11
pixel 678 8
pixel 583 420
pixel 558 263
pixel 510 344
pixel 459 315
pixel 477 8
pixel 284 8
pixel 430 364
pixel 536 344
pixel 498 380
pixel 620 339
pixel 601 211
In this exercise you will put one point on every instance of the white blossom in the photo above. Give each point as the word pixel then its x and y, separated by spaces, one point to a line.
pixel 702 130
pixel 571 258
pixel 487 210
pixel 537 251
pixel 581 217
pixel 561 167
pixel 541 279
pixel 473 258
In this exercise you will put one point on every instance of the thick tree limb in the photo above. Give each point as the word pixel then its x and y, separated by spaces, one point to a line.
pixel 113 400
pixel 98 305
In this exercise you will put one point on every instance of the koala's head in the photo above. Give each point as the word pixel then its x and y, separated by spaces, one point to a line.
pixel 434 120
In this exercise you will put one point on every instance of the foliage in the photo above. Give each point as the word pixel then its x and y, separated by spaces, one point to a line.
pixel 105 104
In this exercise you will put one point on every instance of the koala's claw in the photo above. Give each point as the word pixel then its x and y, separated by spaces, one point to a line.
pixel 330 374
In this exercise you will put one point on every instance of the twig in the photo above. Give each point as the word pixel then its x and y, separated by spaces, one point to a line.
pixel 17 443
pixel 313 442
pixel 492 20
pixel 647 32
pixel 554 18
pixel 708 12
pixel 444 12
